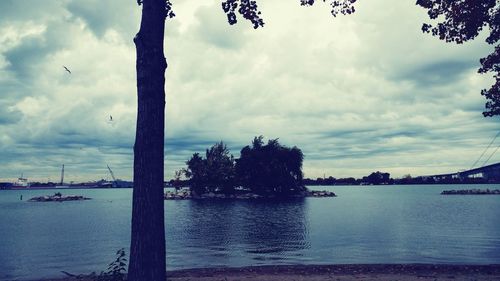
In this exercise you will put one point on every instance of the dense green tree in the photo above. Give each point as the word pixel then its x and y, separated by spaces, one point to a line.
pixel 147 247
pixel 377 178
pixel 270 169
pixel 320 181
pixel 214 173
pixel 463 20
pixel 347 181
pixel 176 181
pixel 195 173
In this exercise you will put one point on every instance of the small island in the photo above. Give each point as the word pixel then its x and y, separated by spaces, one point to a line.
pixel 58 197
pixel 472 192
pixel 263 171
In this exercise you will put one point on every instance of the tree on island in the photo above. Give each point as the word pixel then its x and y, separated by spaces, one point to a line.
pixel 214 173
pixel 147 247
pixel 176 181
pixel 271 169
pixel 463 21
pixel 377 178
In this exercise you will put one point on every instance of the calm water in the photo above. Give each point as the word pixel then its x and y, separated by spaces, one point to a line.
pixel 390 224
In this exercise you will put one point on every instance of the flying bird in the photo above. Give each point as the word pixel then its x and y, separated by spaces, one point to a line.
pixel 67 69
pixel 110 118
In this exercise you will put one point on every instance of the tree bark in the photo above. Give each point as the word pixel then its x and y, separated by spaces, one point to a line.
pixel 147 249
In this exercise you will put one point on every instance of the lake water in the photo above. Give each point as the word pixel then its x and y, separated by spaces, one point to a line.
pixel 386 224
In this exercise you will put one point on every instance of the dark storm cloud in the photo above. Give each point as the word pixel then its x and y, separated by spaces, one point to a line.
pixel 103 15
pixel 383 141
pixel 414 133
pixel 15 10
pixel 187 142
pixel 380 133
pixel 36 163
pixel 352 153
pixel 9 117
pixel 11 92
pixel 82 139
pixel 33 51
pixel 476 106
pixel 24 59
pixel 95 15
pixel 357 146
pixel 438 73
pixel 180 148
pixel 345 133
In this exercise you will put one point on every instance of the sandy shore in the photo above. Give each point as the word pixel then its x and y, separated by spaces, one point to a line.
pixel 342 272
pixel 393 272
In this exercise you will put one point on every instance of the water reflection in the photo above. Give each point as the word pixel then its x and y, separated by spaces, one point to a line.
pixel 262 229
pixel 210 224
pixel 275 228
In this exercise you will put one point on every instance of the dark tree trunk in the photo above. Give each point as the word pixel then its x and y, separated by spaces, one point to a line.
pixel 147 249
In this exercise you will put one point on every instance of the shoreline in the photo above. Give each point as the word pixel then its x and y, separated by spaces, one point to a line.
pixel 307 185
pixel 340 272
pixel 188 195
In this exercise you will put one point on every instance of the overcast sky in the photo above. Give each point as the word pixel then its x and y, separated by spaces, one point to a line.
pixel 356 93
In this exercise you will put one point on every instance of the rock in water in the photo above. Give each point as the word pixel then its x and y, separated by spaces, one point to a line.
pixel 471 192
pixel 58 197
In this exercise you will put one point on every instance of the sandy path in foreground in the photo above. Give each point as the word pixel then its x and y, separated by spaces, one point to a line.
pixel 411 272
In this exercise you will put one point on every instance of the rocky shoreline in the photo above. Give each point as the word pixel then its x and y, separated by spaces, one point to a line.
pixel 187 195
pixel 472 192
pixel 58 197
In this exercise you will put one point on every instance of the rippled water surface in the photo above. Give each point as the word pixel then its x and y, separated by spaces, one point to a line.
pixel 388 224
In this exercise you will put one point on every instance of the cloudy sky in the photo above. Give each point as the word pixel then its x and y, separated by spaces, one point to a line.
pixel 356 93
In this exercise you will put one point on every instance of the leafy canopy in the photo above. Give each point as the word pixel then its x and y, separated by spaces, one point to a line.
pixel 270 168
pixel 250 11
pixel 214 173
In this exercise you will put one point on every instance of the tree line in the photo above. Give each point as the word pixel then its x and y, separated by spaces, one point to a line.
pixel 380 178
pixel 375 178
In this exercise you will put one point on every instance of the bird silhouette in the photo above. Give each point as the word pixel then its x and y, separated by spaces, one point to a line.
pixel 110 118
pixel 67 69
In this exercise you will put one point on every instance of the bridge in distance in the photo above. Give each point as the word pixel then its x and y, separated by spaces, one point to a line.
pixel 490 173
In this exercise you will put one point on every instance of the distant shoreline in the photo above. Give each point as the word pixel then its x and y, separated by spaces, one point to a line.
pixel 347 272
pixel 308 185
pixel 65 188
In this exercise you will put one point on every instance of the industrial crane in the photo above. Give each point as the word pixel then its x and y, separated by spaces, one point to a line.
pixel 115 183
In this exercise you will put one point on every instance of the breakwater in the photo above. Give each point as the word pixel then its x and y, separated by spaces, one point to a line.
pixel 471 192
pixel 58 197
